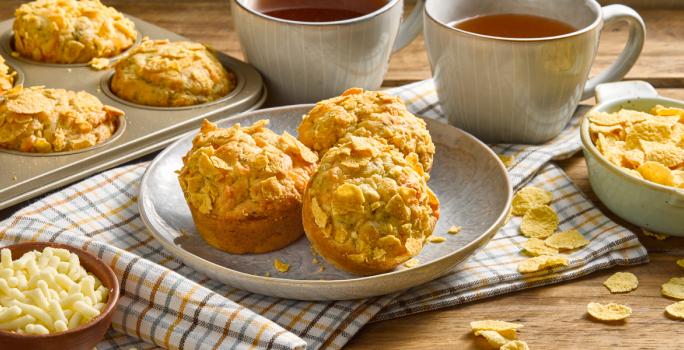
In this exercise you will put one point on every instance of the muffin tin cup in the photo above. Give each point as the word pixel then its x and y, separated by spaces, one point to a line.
pixel 143 129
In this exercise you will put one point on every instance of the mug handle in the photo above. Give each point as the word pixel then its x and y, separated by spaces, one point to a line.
pixel 410 27
pixel 631 52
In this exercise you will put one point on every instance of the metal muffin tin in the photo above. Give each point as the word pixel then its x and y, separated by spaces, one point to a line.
pixel 144 129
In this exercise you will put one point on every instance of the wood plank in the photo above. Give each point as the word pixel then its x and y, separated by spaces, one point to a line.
pixel 554 317
pixel 209 21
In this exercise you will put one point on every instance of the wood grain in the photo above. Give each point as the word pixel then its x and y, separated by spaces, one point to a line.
pixel 554 316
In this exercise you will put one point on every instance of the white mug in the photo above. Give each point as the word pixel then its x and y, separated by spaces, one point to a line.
pixel 305 62
pixel 521 90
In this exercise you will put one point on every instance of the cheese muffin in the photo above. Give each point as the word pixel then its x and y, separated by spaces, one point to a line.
pixel 44 120
pixel 6 77
pixel 244 186
pixel 369 114
pixel 70 31
pixel 368 208
pixel 171 74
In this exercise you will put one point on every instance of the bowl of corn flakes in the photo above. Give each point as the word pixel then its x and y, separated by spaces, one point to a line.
pixel 633 142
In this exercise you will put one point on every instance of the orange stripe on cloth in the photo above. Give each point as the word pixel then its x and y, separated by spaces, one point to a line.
pixel 150 305
pixel 181 311
pixel 226 328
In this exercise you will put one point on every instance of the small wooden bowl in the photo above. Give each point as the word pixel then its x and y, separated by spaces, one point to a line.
pixel 83 337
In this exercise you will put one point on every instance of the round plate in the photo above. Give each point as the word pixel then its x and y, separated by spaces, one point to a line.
pixel 469 180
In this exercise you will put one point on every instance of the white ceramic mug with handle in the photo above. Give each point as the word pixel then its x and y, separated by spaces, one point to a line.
pixel 521 90
pixel 306 62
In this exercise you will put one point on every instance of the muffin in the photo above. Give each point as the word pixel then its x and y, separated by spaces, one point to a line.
pixel 6 77
pixel 368 114
pixel 171 74
pixel 244 186
pixel 44 120
pixel 368 208
pixel 70 31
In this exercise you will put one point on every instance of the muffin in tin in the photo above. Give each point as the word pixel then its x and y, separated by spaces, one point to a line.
pixel 368 208
pixel 368 114
pixel 161 73
pixel 44 120
pixel 71 31
pixel 244 186
pixel 6 76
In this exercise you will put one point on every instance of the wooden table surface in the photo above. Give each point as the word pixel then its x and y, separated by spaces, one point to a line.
pixel 554 316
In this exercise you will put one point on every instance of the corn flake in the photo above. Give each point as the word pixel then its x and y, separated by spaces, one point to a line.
pixel 608 312
pixel 675 310
pixel 566 240
pixel 621 282
pixel 674 288
pixel 658 236
pixel 537 247
pixel 515 345
pixel 541 262
pixel 528 198
pixel 506 329
pixel 666 154
pixel 281 266
pixel 412 263
pixel 680 262
pixel 493 338
pixel 656 172
pixel 506 160
pixel 436 239
pixel 454 230
pixel 539 222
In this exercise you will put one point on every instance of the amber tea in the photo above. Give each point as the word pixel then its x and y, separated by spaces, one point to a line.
pixel 511 25
pixel 318 10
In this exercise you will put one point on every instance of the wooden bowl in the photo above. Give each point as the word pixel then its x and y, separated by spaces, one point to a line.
pixel 83 337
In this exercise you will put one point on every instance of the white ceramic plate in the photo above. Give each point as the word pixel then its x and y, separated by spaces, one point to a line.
pixel 469 180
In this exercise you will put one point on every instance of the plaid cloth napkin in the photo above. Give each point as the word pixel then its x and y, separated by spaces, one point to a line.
pixel 167 304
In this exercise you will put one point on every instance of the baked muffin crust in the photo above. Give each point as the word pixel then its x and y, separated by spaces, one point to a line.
pixel 368 207
pixel 43 120
pixel 244 186
pixel 171 74
pixel 70 31
pixel 368 114
pixel 6 77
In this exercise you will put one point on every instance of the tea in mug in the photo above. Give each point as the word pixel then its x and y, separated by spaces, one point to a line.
pixel 318 10
pixel 509 25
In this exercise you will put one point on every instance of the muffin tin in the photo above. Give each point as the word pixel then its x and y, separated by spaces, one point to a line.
pixel 144 129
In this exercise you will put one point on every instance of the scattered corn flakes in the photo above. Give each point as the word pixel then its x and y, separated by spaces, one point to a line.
pixel 680 262
pixel 676 310
pixel 14 178
pixel 99 63
pixel 15 54
pixel 267 274
pixel 648 146
pixel 541 262
pixel 454 230
pixel 436 239
pixel 493 338
pixel 506 329
pixel 658 236
pixel 506 160
pixel 608 312
pixel 537 247
pixel 528 198
pixel 281 266
pixel 412 263
pixel 566 240
pixel 674 288
pixel 539 222
pixel 621 282
pixel 515 345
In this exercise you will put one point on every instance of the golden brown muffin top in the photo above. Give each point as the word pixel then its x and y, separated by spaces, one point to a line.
pixel 370 200
pixel 369 114
pixel 164 73
pixel 71 31
pixel 43 120
pixel 6 77
pixel 245 172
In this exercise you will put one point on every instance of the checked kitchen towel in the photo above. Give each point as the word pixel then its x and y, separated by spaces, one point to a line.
pixel 169 305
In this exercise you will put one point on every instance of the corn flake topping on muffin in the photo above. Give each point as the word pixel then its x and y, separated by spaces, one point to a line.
pixel 6 78
pixel 44 120
pixel 368 207
pixel 244 186
pixel 369 114
pixel 171 74
pixel 70 31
